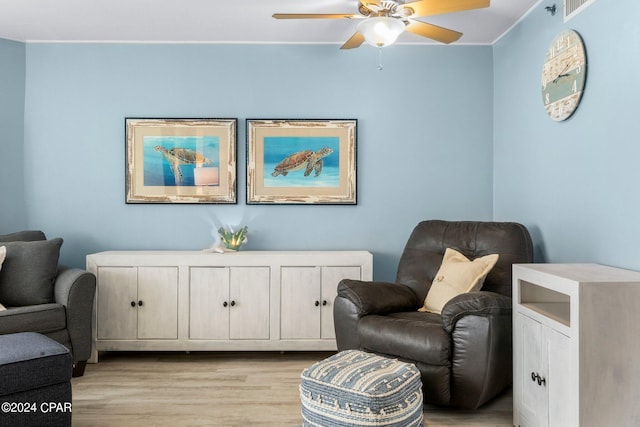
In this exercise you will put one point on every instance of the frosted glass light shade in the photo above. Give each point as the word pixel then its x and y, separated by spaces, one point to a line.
pixel 381 30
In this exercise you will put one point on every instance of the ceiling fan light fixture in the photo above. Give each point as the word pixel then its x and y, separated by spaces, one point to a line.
pixel 381 31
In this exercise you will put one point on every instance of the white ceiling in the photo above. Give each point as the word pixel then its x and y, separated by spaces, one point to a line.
pixel 216 21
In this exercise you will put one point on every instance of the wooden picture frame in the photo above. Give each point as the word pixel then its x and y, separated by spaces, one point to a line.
pixel 301 161
pixel 181 160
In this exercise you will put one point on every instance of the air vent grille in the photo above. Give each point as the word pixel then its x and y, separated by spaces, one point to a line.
pixel 573 7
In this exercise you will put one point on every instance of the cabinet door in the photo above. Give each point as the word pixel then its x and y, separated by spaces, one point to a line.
pixel 331 276
pixel 300 304
pixel 116 291
pixel 157 303
pixel 561 381
pixel 249 292
pixel 531 361
pixel 209 303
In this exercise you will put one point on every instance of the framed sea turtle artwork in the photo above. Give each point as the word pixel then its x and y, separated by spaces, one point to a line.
pixel 181 160
pixel 301 161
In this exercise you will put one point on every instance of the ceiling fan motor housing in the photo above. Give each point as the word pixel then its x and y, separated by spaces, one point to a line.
pixel 392 9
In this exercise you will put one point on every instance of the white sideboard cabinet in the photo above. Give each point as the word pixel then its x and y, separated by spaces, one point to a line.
pixel 192 300
pixel 576 342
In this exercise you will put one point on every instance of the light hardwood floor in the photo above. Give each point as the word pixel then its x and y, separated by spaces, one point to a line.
pixel 219 389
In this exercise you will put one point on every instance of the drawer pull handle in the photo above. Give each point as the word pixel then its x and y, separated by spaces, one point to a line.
pixel 233 303
pixel 140 303
pixel 224 304
pixel 324 302
pixel 133 303
pixel 317 303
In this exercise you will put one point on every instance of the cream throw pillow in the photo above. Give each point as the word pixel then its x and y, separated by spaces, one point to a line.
pixel 3 255
pixel 457 275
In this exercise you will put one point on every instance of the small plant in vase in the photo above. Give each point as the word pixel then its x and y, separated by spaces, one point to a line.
pixel 232 240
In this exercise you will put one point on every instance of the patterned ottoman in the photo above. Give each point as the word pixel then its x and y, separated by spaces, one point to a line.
pixel 353 388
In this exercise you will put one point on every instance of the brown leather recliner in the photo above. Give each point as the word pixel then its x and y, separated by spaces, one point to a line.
pixel 463 354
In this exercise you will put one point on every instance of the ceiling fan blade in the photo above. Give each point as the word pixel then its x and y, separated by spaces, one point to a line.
pixel 366 3
pixel 433 32
pixel 314 15
pixel 355 41
pixel 437 7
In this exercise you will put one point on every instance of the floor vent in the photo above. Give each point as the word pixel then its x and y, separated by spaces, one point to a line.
pixel 573 7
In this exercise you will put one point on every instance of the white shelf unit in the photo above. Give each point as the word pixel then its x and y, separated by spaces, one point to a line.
pixel 575 345
pixel 199 301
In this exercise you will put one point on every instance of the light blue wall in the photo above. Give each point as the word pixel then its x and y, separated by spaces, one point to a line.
pixel 424 140
pixel 573 183
pixel 12 81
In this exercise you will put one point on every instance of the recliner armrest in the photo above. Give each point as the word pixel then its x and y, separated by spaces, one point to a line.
pixel 481 303
pixel 378 297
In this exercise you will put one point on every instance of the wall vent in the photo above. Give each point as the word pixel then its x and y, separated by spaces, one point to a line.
pixel 574 7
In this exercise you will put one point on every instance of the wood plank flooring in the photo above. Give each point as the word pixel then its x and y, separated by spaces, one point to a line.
pixel 219 389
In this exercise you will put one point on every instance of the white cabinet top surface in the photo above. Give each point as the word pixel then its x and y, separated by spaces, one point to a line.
pixel 589 273
pixel 159 257
pixel 206 253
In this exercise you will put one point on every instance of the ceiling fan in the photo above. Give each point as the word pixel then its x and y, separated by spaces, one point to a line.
pixel 383 21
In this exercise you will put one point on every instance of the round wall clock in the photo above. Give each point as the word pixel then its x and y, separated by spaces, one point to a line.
pixel 563 75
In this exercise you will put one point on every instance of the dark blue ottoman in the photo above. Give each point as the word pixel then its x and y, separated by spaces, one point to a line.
pixel 354 388
pixel 35 381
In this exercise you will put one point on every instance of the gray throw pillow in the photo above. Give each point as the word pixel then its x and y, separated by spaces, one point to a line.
pixel 28 272
pixel 23 236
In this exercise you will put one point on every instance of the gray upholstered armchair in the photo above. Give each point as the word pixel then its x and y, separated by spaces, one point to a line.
pixel 38 295
pixel 464 354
